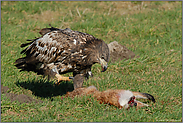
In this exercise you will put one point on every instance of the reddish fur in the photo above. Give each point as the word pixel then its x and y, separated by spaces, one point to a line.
pixel 107 97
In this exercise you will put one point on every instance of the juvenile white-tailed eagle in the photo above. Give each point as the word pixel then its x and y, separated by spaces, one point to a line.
pixel 59 51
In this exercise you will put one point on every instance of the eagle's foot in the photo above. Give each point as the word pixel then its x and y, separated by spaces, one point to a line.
pixel 62 78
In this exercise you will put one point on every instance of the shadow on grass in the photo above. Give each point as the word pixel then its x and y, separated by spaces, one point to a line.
pixel 46 89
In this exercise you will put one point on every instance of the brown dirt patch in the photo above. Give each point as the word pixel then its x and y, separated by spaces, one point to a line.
pixel 22 98
pixel 4 89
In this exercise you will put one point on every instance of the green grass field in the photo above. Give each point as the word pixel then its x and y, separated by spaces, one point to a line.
pixel 152 30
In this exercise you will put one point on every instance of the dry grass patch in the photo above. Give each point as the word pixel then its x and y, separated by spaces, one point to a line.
pixel 130 8
pixel 46 16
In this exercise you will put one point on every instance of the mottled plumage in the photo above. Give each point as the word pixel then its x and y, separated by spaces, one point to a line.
pixel 59 51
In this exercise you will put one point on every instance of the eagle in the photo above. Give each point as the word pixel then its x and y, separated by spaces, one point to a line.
pixel 59 51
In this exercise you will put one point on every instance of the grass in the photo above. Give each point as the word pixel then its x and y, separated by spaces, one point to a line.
pixel 152 30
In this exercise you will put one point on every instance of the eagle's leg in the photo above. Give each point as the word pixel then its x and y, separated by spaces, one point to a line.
pixel 48 78
pixel 61 78
pixel 88 74
pixel 55 73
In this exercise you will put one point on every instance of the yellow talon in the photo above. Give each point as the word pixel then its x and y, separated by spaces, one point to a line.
pixel 61 78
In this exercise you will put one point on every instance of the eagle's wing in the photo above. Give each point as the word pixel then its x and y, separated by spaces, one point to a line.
pixel 57 45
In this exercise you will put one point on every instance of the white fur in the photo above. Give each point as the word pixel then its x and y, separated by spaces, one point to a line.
pixel 124 97
pixel 92 87
pixel 138 96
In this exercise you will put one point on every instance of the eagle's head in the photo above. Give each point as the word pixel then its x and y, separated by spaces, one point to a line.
pixel 103 56
pixel 99 54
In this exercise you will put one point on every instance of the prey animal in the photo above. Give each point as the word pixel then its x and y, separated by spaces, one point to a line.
pixel 59 51
pixel 119 98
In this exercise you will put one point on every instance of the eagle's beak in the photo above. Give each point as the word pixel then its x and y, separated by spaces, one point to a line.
pixel 103 64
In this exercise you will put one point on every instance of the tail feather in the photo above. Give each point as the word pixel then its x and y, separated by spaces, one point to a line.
pixel 23 45
pixel 24 65
pixel 23 51
pixel 19 62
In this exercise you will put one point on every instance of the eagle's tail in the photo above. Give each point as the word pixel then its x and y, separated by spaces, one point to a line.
pixel 20 63
pixel 23 45
pixel 23 65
